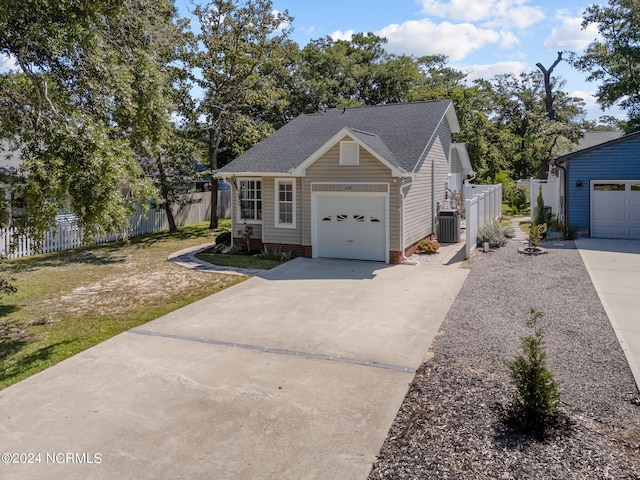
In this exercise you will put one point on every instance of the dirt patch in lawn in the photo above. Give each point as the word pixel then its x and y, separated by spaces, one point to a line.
pixel 123 290
pixel 70 301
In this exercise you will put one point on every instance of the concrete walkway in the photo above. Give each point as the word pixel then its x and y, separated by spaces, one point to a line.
pixel 614 267
pixel 296 373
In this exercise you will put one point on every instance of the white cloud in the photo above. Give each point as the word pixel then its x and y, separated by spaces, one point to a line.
pixel 491 70
pixel 8 63
pixel 339 35
pixel 424 37
pixel 594 111
pixel 508 40
pixel 490 13
pixel 283 25
pixel 569 35
pixel 591 105
pixel 462 10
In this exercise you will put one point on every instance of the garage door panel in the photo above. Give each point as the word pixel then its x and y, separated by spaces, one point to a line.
pixel 351 226
pixel 615 209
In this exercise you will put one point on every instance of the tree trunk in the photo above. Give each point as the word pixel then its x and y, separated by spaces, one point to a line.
pixel 214 203
pixel 548 101
pixel 170 218
pixel 213 144
pixel 164 191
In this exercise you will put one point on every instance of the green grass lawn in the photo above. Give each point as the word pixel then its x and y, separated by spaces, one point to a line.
pixel 239 261
pixel 69 301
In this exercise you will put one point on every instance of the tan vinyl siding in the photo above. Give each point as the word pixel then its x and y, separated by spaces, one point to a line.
pixel 271 233
pixel 456 164
pixel 418 202
pixel 370 170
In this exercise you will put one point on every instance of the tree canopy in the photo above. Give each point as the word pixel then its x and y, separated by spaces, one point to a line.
pixel 71 106
pixel 614 59
pixel 111 92
pixel 235 54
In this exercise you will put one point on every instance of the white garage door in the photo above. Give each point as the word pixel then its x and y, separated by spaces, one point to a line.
pixel 615 209
pixel 351 226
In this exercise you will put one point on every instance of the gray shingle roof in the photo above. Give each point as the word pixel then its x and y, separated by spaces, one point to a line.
pixel 398 132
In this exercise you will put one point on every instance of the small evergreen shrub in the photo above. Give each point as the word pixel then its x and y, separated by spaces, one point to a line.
pixel 536 233
pixel 428 247
pixel 537 393
pixel 224 239
pixel 540 214
pixel 494 233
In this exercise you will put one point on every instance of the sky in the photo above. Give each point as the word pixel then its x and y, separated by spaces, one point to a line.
pixel 480 37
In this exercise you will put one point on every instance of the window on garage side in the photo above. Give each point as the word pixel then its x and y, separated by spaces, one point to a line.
pixel 250 200
pixel 285 203
pixel 609 187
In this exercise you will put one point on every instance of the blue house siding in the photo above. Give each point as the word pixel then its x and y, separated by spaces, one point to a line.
pixel 619 160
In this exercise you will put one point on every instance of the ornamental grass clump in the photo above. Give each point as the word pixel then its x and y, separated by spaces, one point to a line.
pixel 537 392
pixel 495 234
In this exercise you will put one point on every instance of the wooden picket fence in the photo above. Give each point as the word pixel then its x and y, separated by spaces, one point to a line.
pixel 67 234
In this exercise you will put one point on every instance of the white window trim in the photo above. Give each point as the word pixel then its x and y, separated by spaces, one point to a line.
pixel 278 182
pixel 239 201
pixel 347 157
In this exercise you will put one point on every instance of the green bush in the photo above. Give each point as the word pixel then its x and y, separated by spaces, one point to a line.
pixel 428 247
pixel 536 233
pixel 537 393
pixel 516 196
pixel 224 239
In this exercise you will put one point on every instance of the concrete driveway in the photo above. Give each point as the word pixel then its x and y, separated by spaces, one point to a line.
pixel 614 267
pixel 296 374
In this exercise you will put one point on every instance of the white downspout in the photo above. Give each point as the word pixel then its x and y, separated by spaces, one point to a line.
pixel 403 195
pixel 433 195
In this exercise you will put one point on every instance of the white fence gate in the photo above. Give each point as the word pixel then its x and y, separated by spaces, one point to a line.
pixel 68 234
pixel 483 204
pixel 550 194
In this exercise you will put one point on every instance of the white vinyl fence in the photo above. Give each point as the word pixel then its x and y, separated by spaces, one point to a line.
pixel 69 235
pixel 550 194
pixel 482 206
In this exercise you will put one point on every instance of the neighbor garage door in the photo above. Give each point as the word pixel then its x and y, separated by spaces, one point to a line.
pixel 615 209
pixel 351 226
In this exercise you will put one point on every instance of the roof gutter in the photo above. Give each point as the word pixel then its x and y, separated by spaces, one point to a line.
pixel 403 196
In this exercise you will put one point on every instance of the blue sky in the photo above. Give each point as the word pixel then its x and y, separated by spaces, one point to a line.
pixel 481 37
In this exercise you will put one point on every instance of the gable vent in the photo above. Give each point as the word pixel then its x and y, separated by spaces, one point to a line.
pixel 349 153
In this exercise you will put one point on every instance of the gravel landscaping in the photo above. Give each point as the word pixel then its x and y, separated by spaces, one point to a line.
pixel 453 424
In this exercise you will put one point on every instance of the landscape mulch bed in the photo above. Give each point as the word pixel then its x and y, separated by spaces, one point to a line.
pixel 454 420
